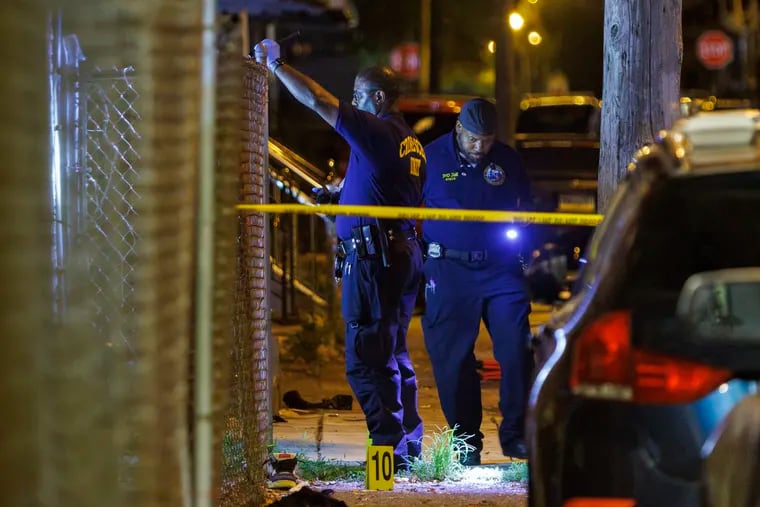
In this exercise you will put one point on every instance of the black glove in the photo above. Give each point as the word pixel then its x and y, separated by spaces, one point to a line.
pixel 323 196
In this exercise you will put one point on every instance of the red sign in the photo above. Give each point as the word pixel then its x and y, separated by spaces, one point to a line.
pixel 405 60
pixel 715 49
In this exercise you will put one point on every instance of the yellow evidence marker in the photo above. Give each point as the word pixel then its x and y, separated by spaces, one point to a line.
pixel 379 472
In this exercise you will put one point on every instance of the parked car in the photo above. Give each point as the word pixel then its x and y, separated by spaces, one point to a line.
pixel 661 337
pixel 557 137
pixel 431 115
pixel 693 101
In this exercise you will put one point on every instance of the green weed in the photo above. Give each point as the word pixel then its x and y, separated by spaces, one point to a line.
pixel 441 452
pixel 516 472
pixel 328 470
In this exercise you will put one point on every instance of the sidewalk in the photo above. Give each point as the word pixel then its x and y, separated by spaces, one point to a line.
pixel 344 433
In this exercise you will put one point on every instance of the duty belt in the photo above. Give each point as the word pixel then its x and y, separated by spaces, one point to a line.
pixel 437 251
pixel 347 246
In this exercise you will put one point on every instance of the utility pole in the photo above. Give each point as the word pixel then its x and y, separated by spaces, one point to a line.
pixel 504 58
pixel 754 43
pixel 642 76
pixel 425 34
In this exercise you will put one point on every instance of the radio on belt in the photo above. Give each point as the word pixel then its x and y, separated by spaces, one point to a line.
pixel 435 250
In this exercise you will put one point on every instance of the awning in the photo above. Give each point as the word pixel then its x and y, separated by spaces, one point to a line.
pixel 279 8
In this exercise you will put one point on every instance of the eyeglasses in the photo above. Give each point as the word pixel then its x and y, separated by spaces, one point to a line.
pixel 359 93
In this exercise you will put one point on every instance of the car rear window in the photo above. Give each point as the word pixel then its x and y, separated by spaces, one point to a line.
pixel 691 225
pixel 568 119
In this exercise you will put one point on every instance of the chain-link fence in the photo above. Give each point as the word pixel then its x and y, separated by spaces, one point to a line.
pixel 109 116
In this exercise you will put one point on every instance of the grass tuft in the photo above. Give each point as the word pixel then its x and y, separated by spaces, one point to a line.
pixel 516 472
pixel 328 470
pixel 441 452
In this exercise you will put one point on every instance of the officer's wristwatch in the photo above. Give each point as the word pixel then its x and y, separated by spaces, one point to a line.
pixel 276 64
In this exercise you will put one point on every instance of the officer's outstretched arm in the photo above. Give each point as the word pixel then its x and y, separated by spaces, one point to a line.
pixel 306 91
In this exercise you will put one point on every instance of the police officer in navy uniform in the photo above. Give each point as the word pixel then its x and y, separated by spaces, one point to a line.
pixel 473 271
pixel 381 259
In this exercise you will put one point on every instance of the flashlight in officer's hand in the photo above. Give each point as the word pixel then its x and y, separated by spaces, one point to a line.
pixel 289 37
pixel 321 195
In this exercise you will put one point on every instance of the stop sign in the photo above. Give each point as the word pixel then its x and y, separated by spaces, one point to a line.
pixel 715 49
pixel 405 60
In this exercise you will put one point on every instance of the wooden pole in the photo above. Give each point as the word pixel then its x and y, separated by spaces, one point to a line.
pixel 504 59
pixel 425 34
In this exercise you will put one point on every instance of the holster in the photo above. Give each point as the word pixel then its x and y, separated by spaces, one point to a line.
pixel 338 267
pixel 371 243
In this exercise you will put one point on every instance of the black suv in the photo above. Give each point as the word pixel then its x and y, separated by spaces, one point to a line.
pixel 662 335
pixel 557 137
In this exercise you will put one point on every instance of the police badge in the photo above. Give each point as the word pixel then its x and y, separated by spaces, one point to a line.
pixel 494 174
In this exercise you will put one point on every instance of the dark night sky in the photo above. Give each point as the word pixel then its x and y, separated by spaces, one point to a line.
pixel 572 28
pixel 573 43
pixel 462 29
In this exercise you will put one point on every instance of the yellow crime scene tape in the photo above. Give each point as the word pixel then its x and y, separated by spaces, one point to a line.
pixel 399 212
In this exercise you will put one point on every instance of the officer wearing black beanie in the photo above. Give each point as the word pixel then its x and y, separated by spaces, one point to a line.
pixel 478 116
pixel 473 272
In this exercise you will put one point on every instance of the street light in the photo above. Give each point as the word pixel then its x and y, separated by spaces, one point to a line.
pixel 534 38
pixel 491 46
pixel 516 21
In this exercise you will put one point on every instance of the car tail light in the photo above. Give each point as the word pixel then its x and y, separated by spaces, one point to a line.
pixel 605 365
pixel 600 502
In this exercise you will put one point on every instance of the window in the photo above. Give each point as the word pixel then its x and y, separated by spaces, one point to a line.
pixel 567 119
pixel 690 225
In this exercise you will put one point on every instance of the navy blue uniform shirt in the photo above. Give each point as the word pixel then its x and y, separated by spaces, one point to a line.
pixel 498 182
pixel 386 166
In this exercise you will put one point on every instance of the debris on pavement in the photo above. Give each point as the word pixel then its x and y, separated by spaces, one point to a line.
pixel 293 399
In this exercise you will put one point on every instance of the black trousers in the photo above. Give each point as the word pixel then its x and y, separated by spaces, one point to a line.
pixel 458 295
pixel 377 304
